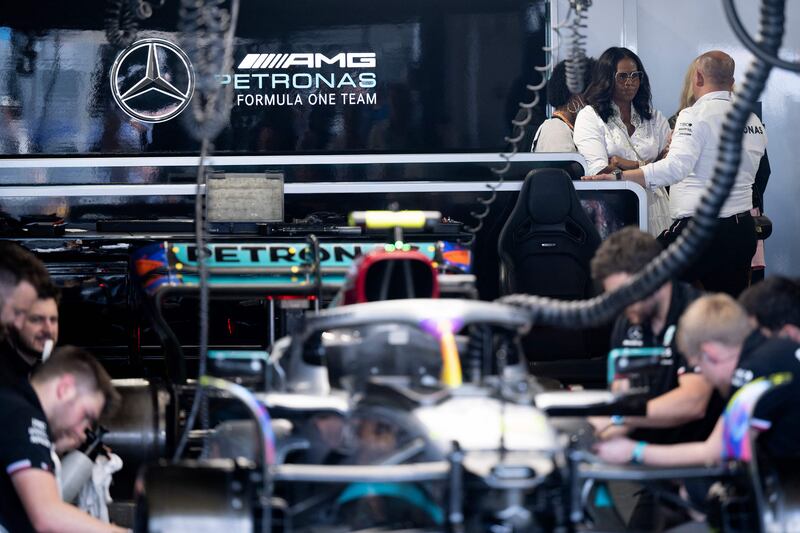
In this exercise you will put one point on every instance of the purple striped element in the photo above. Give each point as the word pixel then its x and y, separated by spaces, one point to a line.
pixel 16 466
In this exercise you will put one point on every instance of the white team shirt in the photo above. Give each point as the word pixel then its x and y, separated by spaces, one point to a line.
pixel 597 140
pixel 693 154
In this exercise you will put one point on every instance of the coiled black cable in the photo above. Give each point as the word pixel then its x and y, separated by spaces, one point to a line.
pixel 208 31
pixel 199 402
pixel 576 62
pixel 519 124
pixel 766 55
pixel 602 309
pixel 120 22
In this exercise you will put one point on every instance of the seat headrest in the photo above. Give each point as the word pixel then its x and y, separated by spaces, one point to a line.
pixel 550 195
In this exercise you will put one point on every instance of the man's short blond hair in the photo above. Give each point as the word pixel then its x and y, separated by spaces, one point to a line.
pixel 712 318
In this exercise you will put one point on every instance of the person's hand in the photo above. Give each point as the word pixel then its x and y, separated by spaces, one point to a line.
pixel 621 163
pixel 614 432
pixel 615 451
pixel 620 385
pixel 608 169
pixel 599 423
pixel 67 443
pixel 605 429
pixel 599 177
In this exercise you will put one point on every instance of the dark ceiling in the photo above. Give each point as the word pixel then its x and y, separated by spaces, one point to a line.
pixel 255 17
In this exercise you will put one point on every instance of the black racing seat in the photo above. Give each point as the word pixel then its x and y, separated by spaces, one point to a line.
pixel 548 240
pixel 545 248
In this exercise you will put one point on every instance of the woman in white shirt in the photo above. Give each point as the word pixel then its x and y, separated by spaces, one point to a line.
pixel 619 129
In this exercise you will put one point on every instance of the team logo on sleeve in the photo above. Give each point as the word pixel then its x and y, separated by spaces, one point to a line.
pixel 37 433
pixel 683 128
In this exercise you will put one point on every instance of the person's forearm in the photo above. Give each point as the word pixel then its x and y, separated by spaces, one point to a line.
pixel 675 167
pixel 686 454
pixel 66 518
pixel 691 453
pixel 671 409
pixel 625 164
pixel 636 175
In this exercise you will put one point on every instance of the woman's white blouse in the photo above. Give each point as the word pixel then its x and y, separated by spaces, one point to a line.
pixel 597 141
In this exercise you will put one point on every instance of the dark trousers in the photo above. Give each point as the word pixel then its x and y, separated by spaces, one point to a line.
pixel 654 511
pixel 724 266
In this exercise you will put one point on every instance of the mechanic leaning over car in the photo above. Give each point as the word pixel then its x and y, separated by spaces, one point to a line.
pixel 717 334
pixel 684 406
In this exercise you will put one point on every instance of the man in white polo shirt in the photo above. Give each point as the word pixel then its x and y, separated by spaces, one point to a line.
pixel 724 266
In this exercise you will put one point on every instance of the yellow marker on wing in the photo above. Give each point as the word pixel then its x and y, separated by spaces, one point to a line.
pixel 451 364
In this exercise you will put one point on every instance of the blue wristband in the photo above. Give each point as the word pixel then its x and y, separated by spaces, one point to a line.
pixel 637 457
pixel 617 420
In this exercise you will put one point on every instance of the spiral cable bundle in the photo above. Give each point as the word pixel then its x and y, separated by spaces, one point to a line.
pixel 514 142
pixel 602 309
pixel 200 402
pixel 208 29
pixel 520 124
pixel 123 16
pixel 575 22
pixel 576 62
pixel 208 41
pixel 120 23
pixel 764 54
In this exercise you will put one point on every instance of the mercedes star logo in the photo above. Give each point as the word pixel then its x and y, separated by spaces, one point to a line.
pixel 152 80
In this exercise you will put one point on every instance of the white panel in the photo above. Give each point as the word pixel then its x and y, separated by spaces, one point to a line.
pixel 630 25
pixel 605 27
pixel 267 160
